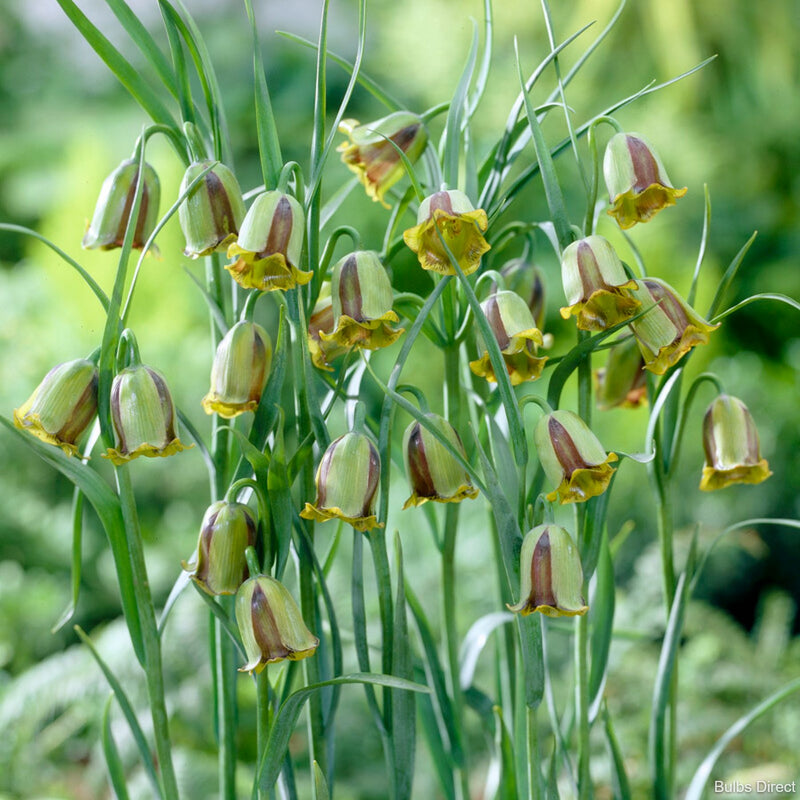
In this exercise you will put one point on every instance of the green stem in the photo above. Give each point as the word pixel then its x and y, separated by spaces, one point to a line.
pixel 225 676
pixel 534 770
pixel 383 579
pixel 263 715
pixel 582 700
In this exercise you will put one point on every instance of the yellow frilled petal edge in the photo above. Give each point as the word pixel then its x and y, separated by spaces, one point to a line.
pixel 462 232
pixel 521 367
pixel 267 274
pixel 221 246
pixel 32 424
pixel 287 654
pixel 604 308
pixel 149 450
pixel 714 479
pixel 671 354
pixel 370 334
pixel 632 207
pixel 374 189
pixel 465 492
pixel 332 512
pixel 584 483
pixel 524 608
pixel 214 404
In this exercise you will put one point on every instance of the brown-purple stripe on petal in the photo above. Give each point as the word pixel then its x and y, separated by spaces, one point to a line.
pixel 115 415
pixel 323 472
pixel 166 404
pixel 589 271
pixel 265 629
pixel 220 203
pixel 350 289
pixel 493 316
pixel 566 452
pixel 441 201
pixel 280 230
pixel 373 478
pixel 419 471
pixel 645 168
pixel 542 573
pixel 669 304
pixel 258 365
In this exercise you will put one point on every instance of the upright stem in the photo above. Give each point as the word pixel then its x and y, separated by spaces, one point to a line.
pixel 263 714
pixel 225 676
pixel 534 772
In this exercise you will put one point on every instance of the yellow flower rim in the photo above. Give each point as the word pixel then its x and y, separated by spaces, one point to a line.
pixel 464 492
pixel 362 524
pixel 525 608
pixel 273 273
pixel 631 207
pixel 671 354
pixel 150 451
pixel 714 479
pixel 370 334
pixel 214 404
pixel 32 423
pixel 584 483
pixel 604 308
pixel 291 655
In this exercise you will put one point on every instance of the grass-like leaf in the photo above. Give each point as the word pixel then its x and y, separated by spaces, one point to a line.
pixel 601 619
pixel 116 770
pixel 474 642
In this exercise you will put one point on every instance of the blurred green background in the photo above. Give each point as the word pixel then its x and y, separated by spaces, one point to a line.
pixel 66 123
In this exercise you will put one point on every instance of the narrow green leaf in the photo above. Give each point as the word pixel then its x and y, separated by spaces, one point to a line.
pixel 781 298
pixel 267 413
pixel 213 306
pixel 730 274
pixel 601 619
pixel 116 771
pixel 619 777
pixel 281 504
pixel 486 60
pixel 77 537
pixel 703 242
pixel 320 784
pixel 438 756
pixel 179 64
pixel 507 790
pixel 181 582
pixel 474 642
pixel 227 623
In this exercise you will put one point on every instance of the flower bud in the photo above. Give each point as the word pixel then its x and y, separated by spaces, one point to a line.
pixel 572 457
pixel 270 244
pixel 622 383
pixel 669 329
pixel 143 416
pixel 62 405
pixel 110 220
pixel 271 624
pixel 211 214
pixel 596 285
pixel 322 321
pixel 220 566
pixel 373 159
pixel 638 186
pixel 730 441
pixel 432 471
pixel 450 214
pixel 240 370
pixel 517 337
pixel 526 280
pixel 362 303
pixel 347 481
pixel 550 574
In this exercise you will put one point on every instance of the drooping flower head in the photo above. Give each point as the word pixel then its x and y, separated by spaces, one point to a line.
pixel 239 371
pixel 143 416
pixel 622 383
pixel 461 226
pixel 322 321
pixel 550 573
pixel 572 457
pixel 110 220
pixel 433 472
pixel 270 244
pixel 596 285
pixel 271 624
pixel 637 182
pixel 730 441
pixel 670 329
pixel 62 405
pixel 362 303
pixel 211 214
pixel 347 481
pixel 524 278
pixel 517 337
pixel 373 159
pixel 220 566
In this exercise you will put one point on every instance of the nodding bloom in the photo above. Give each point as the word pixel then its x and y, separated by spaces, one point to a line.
pixel 596 285
pixel 62 405
pixel 347 481
pixel 371 155
pixel 526 280
pixel 322 321
pixel 730 441
pixel 212 212
pixel 142 415
pixel 110 220
pixel 239 371
pixel 622 383
pixel 433 472
pixel 517 337
pixel 669 329
pixel 362 303
pixel 270 244
pixel 638 186
pixel 550 574
pixel 220 566
pixel 271 624
pixel 451 215
pixel 572 457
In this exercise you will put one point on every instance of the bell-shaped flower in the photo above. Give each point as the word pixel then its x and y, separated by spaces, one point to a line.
pixel 219 565
pixel 212 212
pixel 239 371
pixel 62 405
pixel 270 244
pixel 517 337
pixel 433 472
pixel 347 482
pixel 669 329
pixel 143 416
pixel 524 278
pixel 622 383
pixel 638 186
pixel 321 321
pixel 370 153
pixel 448 215
pixel 550 574
pixel 271 624
pixel 596 285
pixel 730 441
pixel 110 220
pixel 362 303
pixel 572 457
